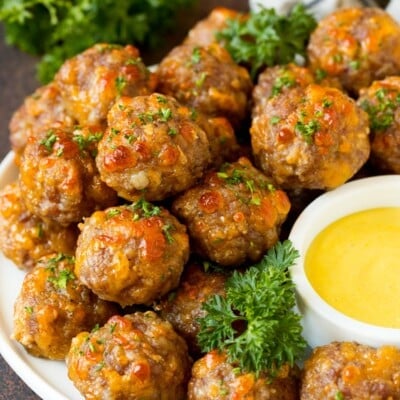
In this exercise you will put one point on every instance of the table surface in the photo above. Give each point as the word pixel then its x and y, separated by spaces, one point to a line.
pixel 17 80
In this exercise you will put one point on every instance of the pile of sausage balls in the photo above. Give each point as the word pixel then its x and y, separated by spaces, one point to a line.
pixel 131 182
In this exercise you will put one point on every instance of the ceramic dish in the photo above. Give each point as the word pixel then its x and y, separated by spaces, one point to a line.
pixel 46 378
pixel 321 322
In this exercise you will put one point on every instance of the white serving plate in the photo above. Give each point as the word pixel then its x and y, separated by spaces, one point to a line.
pixel 48 379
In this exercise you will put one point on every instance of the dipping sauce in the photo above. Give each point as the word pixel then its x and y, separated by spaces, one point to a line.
pixel 354 265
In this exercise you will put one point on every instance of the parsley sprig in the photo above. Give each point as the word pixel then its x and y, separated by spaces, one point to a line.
pixel 59 29
pixel 261 301
pixel 267 38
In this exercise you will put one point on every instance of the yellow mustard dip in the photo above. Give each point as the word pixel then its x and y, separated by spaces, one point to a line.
pixel 354 265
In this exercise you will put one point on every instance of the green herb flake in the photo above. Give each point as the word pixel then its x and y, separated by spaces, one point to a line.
pixel 120 83
pixel 49 141
pixel 62 278
pixel 113 327
pixel 196 56
pixel 200 81
pixel 165 114
pixel 307 130
pixel 382 114
pixel 28 309
pixel 354 65
pixel 166 229
pixel 172 131
pixel 39 230
pixel 320 74
pixel 326 103
pixel 275 120
pixel 161 99
pixel 146 209
pixel 84 142
pixel 339 395
pixel 283 81
pixel 113 212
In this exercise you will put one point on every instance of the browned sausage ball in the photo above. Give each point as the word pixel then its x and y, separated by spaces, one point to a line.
pixel 381 101
pixel 131 254
pixel 152 148
pixel 352 371
pixel 91 81
pixel 234 215
pixel 53 307
pixel 312 138
pixel 280 78
pixel 41 110
pixel 214 378
pixel 207 79
pixel 58 176
pixel 136 356
pixel 203 32
pixel 357 45
pixel 24 237
pixel 183 307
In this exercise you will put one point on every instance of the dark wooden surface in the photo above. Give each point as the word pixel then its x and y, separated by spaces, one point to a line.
pixel 17 80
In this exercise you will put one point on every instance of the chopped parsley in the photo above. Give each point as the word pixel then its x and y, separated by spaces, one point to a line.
pixel 196 56
pixel 381 115
pixel 120 83
pixel 200 81
pixel 49 141
pixel 283 81
pixel 307 130
pixel 165 114
pixel 84 142
pixel 145 208
pixel 113 212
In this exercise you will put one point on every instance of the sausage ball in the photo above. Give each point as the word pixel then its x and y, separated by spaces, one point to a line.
pixel 131 254
pixel 381 101
pixel 357 45
pixel 91 81
pixel 43 109
pixel 203 33
pixel 183 307
pixel 58 176
pixel 280 78
pixel 349 370
pixel 207 79
pixel 24 237
pixel 234 215
pixel 53 307
pixel 152 148
pixel 310 138
pixel 135 356
pixel 214 378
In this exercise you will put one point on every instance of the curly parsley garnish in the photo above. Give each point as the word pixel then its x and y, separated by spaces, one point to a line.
pixel 267 38
pixel 261 301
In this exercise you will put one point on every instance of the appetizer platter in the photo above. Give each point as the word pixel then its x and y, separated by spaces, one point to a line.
pixel 145 211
